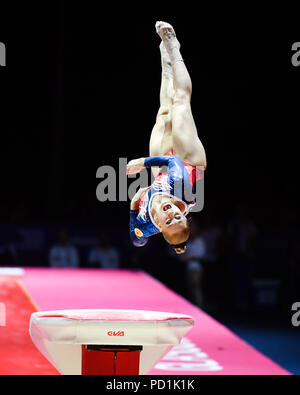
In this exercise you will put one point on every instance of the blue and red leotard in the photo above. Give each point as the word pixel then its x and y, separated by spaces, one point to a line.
pixel 178 182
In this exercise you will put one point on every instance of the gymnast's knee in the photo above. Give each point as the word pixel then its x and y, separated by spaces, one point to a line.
pixel 182 98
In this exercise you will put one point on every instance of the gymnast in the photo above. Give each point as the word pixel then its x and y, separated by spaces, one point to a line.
pixel 174 146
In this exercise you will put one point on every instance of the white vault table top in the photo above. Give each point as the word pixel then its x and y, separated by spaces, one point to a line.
pixel 103 326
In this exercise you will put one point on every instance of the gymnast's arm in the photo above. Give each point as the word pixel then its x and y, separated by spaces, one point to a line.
pixel 174 164
pixel 136 241
pixel 135 202
pixel 178 176
pixel 134 206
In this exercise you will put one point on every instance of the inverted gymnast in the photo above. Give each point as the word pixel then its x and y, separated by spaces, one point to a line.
pixel 174 143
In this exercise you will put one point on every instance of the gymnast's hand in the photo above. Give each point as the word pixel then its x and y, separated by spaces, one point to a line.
pixel 135 202
pixel 135 166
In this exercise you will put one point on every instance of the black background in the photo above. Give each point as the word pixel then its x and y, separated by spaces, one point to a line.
pixel 81 89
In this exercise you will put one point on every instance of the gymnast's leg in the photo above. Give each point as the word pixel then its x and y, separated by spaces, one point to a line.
pixel 161 136
pixel 186 142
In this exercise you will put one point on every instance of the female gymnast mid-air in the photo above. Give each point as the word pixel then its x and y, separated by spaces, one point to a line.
pixel 175 146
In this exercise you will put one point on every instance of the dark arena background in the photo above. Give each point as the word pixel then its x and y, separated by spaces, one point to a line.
pixel 80 90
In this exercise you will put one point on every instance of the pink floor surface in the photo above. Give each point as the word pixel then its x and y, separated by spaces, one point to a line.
pixel 209 348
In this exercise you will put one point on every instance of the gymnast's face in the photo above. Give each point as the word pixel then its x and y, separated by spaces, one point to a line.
pixel 169 217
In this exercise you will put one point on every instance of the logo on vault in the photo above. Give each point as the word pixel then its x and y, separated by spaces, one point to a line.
pixel 114 333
